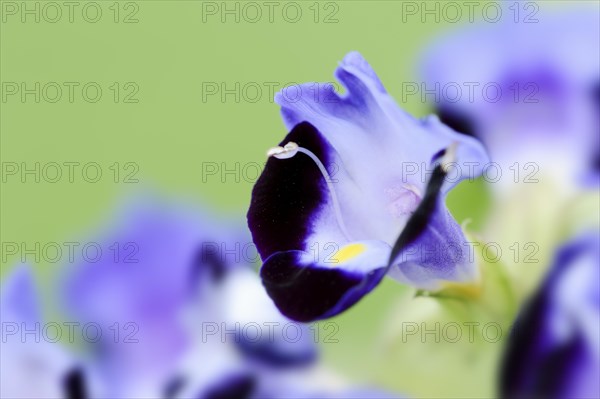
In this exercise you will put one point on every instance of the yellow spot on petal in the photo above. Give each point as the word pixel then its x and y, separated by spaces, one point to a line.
pixel 348 252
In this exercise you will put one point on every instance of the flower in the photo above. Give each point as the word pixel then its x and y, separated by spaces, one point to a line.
pixel 136 292
pixel 529 91
pixel 246 348
pixel 176 275
pixel 28 354
pixel 343 200
pixel 554 349
pixel 263 335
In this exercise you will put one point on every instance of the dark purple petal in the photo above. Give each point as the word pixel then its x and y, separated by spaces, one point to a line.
pixel 274 353
pixel 288 194
pixel 461 122
pixel 308 292
pixel 238 386
pixel 74 384
pixel 553 349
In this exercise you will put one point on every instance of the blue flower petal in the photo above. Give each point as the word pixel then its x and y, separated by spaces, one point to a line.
pixel 553 350
pixel 438 254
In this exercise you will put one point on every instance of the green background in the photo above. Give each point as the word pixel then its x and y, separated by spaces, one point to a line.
pixel 171 134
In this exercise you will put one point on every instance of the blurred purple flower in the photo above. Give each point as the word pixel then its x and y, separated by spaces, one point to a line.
pixel 530 92
pixel 175 273
pixel 135 293
pixel 169 353
pixel 247 345
pixel 348 393
pixel 328 210
pixel 32 366
pixel 554 349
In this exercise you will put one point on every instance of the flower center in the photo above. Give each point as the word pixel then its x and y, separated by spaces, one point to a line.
pixel 348 252
pixel 402 200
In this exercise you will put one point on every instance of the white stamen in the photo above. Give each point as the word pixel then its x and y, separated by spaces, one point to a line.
pixel 291 149
pixel 288 151
pixel 449 157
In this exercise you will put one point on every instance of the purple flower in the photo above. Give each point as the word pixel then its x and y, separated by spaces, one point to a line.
pixel 176 272
pixel 135 294
pixel 263 335
pixel 336 208
pixel 245 347
pixel 554 349
pixel 32 364
pixel 530 92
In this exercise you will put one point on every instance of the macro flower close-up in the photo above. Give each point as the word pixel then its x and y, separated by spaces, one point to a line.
pixel 300 199
pixel 336 196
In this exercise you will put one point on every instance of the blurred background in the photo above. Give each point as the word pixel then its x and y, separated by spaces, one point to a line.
pixel 167 106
